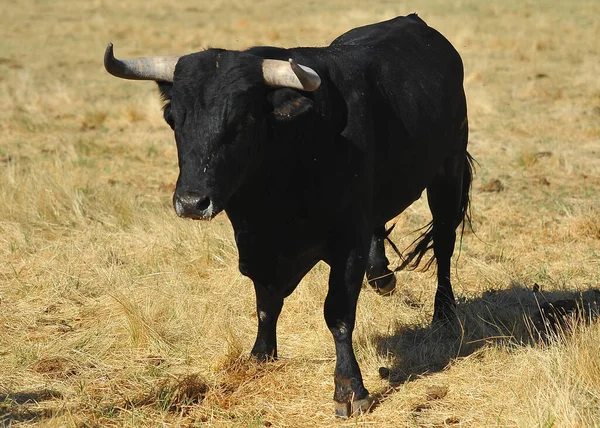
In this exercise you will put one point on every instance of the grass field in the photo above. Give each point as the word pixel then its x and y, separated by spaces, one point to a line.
pixel 114 312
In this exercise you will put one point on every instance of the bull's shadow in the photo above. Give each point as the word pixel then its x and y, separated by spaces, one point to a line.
pixel 16 407
pixel 518 316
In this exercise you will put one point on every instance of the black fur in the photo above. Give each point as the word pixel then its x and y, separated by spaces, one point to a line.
pixel 309 176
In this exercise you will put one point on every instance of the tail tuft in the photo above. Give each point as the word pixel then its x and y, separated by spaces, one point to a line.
pixel 424 243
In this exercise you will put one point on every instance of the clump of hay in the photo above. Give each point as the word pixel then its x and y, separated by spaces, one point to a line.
pixel 176 394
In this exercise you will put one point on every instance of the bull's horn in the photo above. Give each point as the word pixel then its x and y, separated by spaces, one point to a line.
pixel 159 68
pixel 285 74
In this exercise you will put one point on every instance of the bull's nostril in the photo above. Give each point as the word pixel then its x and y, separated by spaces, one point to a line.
pixel 193 205
pixel 203 204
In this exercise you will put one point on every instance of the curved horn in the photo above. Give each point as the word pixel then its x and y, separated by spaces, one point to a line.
pixel 286 74
pixel 159 68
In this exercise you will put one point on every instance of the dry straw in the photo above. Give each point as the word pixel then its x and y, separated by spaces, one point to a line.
pixel 114 312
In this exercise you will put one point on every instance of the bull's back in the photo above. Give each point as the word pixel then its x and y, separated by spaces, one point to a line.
pixel 404 66
pixel 380 32
pixel 413 77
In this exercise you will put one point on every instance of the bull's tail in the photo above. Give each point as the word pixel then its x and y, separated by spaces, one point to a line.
pixel 420 246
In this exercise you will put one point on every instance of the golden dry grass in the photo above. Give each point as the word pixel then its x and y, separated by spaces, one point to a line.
pixel 113 312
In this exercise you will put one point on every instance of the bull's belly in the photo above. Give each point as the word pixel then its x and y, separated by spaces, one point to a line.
pixel 402 173
pixel 386 208
pixel 396 192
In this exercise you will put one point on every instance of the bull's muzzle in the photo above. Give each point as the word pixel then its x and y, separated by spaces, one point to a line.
pixel 193 205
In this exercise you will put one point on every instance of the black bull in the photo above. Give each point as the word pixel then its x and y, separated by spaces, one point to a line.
pixel 310 166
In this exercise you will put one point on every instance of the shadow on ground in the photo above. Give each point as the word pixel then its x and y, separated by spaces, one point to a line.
pixel 22 406
pixel 517 316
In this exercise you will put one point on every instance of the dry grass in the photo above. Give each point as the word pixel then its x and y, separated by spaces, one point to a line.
pixel 113 312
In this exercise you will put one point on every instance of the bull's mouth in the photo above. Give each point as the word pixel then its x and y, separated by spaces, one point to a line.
pixel 198 217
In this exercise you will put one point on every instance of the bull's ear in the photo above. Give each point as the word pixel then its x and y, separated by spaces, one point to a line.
pixel 166 89
pixel 288 104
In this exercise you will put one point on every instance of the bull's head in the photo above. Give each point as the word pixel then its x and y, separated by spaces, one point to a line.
pixel 218 103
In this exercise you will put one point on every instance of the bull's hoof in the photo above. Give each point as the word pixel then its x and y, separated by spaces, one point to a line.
pixel 388 288
pixel 384 286
pixel 263 356
pixel 353 408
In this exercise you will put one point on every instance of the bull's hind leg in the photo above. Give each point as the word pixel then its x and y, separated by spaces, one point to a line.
pixel 379 276
pixel 448 198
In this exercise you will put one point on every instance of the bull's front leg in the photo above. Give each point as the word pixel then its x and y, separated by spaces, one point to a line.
pixel 345 280
pixel 268 307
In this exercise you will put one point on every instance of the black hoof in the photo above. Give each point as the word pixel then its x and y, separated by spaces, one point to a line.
pixel 263 357
pixel 353 408
pixel 385 284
